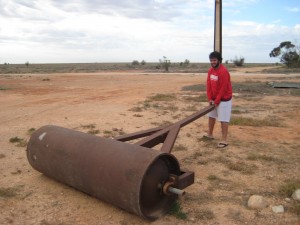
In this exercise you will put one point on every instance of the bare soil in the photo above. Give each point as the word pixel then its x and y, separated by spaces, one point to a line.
pixel 258 160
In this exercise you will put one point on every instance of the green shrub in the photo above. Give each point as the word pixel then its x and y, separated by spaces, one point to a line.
pixel 238 61
pixel 176 211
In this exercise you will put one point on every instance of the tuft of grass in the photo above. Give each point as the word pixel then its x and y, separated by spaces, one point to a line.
pixel 89 126
pixel 245 121
pixel 176 211
pixel 92 131
pixel 191 108
pixel 204 139
pixel 2 156
pixel 205 214
pixel 3 88
pixel 201 98
pixel 30 131
pixel 107 132
pixel 136 109
pixel 46 79
pixel 15 139
pixel 146 104
pixel 288 188
pixel 221 159
pixel 241 167
pixel 179 147
pixel 170 107
pixel 8 192
pixel 163 123
pixel 197 87
pixel 254 156
pixel 163 97
pixel 212 177
pixel 238 111
pixel 20 142
pixel 200 198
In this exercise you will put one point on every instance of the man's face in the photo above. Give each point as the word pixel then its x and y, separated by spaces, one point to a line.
pixel 214 62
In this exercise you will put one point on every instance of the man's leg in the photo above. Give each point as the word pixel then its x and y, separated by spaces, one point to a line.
pixel 211 125
pixel 224 127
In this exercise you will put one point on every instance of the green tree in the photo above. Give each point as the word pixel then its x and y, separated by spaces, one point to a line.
pixel 135 63
pixel 288 52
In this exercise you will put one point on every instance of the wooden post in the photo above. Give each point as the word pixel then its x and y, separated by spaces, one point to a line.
pixel 218 26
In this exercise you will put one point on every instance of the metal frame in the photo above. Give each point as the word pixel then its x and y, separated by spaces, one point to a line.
pixel 164 134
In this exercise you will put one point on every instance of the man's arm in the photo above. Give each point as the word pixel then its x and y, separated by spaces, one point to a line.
pixel 208 88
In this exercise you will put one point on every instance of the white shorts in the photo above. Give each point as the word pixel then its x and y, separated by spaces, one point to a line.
pixel 222 112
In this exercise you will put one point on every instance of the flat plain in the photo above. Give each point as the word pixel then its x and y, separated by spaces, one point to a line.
pixel 262 157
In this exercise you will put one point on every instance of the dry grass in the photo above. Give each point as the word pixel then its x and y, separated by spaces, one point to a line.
pixel 225 170
pixel 4 88
pixel 179 147
pixel 204 214
pixel 247 121
pixel 30 131
pixel 8 192
pixel 94 131
pixel 20 142
pixel 176 210
pixel 162 97
pixel 288 188
pixel 89 126
pixel 242 167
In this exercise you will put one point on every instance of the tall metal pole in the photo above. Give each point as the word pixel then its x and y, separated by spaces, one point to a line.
pixel 218 26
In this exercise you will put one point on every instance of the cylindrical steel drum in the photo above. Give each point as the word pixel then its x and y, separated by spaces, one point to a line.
pixel 126 175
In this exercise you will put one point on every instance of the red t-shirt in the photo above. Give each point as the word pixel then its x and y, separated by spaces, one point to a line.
pixel 218 84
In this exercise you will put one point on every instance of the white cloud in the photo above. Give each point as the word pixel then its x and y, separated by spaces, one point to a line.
pixel 243 23
pixel 294 9
pixel 124 30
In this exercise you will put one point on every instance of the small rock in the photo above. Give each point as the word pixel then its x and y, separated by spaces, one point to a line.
pixel 192 219
pixel 287 199
pixel 296 195
pixel 257 202
pixel 278 209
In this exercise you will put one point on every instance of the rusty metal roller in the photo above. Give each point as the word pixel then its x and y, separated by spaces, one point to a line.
pixel 128 176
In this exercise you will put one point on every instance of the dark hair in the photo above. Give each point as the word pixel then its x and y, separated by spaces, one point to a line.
pixel 216 55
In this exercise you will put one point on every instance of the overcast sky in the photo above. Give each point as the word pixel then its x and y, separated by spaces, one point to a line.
pixel 62 31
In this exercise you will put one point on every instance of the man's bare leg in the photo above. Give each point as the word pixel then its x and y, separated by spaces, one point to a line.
pixel 211 125
pixel 224 127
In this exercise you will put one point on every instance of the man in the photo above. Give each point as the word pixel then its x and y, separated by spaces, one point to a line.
pixel 219 93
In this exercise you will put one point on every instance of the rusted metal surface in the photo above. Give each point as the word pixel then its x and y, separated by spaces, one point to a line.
pixel 134 177
pixel 125 175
